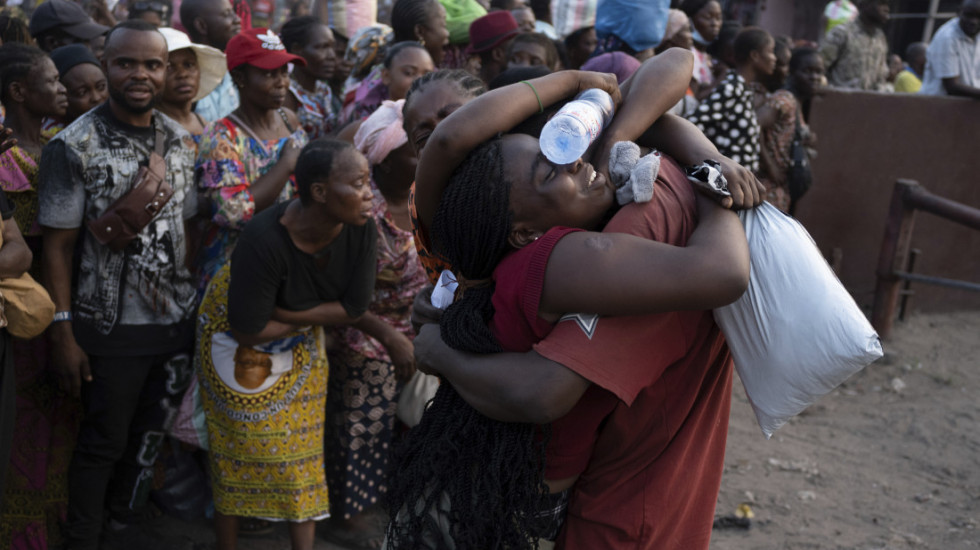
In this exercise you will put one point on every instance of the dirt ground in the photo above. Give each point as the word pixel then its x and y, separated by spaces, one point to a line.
pixel 890 460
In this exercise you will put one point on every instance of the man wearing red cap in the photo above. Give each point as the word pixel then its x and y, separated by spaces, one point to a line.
pixel 490 37
pixel 124 325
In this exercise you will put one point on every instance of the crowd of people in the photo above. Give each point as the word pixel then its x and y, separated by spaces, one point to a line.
pixel 239 208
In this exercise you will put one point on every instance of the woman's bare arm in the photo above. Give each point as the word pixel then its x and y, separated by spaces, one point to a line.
pixel 509 387
pixel 686 144
pixel 630 275
pixel 654 88
pixel 266 188
pixel 398 346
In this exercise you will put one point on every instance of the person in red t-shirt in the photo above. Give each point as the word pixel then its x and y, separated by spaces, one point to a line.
pixel 652 479
pixel 580 199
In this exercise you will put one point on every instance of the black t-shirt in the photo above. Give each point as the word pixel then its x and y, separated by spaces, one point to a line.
pixel 268 271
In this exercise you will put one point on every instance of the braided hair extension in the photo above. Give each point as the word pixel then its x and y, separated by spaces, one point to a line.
pixel 465 81
pixel 16 62
pixel 470 229
pixel 468 84
pixel 491 472
pixel 405 14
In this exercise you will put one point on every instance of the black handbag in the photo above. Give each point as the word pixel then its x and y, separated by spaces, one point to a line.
pixel 799 177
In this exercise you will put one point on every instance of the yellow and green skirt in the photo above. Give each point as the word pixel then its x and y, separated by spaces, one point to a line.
pixel 265 431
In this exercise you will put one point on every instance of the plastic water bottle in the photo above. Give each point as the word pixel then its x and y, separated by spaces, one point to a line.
pixel 575 126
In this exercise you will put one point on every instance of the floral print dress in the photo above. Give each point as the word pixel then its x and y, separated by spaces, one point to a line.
pixel 362 391
pixel 228 161
pixel 777 141
pixel 315 111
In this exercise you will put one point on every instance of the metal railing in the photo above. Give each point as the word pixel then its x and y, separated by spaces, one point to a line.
pixel 907 197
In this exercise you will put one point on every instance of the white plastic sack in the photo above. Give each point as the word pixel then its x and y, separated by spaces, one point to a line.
pixel 415 397
pixel 796 333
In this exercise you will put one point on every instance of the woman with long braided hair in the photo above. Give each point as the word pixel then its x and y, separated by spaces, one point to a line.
pixel 430 100
pixel 493 468
pixel 465 480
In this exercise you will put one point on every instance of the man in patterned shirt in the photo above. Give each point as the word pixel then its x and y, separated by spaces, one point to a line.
pixel 125 321
pixel 856 53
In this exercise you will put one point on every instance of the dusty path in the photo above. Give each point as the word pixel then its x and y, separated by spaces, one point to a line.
pixel 889 460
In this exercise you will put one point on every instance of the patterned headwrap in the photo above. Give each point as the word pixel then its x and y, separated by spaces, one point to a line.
pixel 382 132
pixel 367 48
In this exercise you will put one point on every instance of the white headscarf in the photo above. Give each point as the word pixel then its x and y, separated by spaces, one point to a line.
pixel 382 132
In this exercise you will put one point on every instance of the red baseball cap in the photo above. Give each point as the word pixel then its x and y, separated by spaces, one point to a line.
pixel 260 48
pixel 491 30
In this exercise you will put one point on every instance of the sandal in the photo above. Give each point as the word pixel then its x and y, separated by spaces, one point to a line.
pixel 255 527
pixel 353 540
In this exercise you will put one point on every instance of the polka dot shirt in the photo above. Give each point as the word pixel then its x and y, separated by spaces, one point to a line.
pixel 727 118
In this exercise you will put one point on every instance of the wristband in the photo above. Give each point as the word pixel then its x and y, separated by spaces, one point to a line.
pixel 540 106
pixel 61 316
